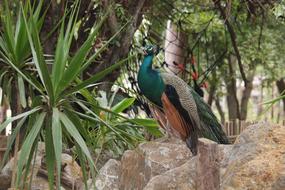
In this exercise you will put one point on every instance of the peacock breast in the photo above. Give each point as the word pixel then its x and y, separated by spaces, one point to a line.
pixel 151 86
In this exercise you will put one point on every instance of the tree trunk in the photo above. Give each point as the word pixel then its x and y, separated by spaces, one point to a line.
pixel 213 87
pixel 260 106
pixel 120 49
pixel 220 109
pixel 281 89
pixel 3 109
pixel 211 94
pixel 53 16
pixel 16 109
pixel 246 95
pixel 232 100
pixel 272 107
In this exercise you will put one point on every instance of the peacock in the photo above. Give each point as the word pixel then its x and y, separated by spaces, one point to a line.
pixel 185 110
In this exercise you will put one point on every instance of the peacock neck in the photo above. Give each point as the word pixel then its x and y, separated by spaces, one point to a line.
pixel 150 81
pixel 147 64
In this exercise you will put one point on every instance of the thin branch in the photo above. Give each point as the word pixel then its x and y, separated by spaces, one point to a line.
pixel 202 32
pixel 260 33
pixel 212 67
pixel 233 39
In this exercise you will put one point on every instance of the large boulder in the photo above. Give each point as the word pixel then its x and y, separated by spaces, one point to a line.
pixel 148 160
pixel 257 159
pixel 134 171
pixel 161 157
pixel 182 178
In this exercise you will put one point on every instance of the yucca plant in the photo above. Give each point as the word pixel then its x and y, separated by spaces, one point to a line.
pixel 108 129
pixel 15 50
pixel 51 116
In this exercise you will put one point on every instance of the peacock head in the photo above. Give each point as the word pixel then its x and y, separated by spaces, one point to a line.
pixel 151 50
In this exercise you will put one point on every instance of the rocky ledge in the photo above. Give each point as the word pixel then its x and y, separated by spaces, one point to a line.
pixel 255 161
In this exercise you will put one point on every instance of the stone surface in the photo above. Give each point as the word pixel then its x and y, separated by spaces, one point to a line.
pixel 161 157
pixel 150 159
pixel 257 159
pixel 6 172
pixel 182 178
pixel 70 168
pixel 208 167
pixel 108 178
pixel 255 162
pixel 5 181
pixel 134 172
pixel 224 153
pixel 40 183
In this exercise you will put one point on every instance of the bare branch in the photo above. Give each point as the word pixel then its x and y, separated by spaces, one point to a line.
pixel 261 30
pixel 233 39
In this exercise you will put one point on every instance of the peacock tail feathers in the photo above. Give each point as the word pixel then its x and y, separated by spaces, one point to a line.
pixel 211 128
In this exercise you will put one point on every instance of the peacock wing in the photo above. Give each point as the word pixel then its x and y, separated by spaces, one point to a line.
pixel 180 94
pixel 182 113
pixel 180 124
pixel 174 118
pixel 161 118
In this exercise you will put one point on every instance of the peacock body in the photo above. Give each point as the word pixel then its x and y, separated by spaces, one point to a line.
pixel 185 110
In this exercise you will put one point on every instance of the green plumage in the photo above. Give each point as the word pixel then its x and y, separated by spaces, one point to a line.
pixel 149 81
pixel 211 128
pixel 196 113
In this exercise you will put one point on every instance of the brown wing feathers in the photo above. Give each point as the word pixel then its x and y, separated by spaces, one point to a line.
pixel 174 118
pixel 179 118
pixel 160 116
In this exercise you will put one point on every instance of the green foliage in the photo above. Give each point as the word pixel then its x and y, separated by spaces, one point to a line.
pixel 258 28
pixel 14 48
pixel 51 115
pixel 107 128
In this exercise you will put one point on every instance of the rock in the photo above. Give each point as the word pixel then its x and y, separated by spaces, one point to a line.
pixel 40 183
pixel 103 156
pixel 181 178
pixel 70 168
pixel 224 152
pixel 150 159
pixel 5 181
pixel 208 166
pixel 7 169
pixel 279 184
pixel 6 172
pixel 255 162
pixel 257 159
pixel 71 175
pixel 161 157
pixel 108 178
pixel 134 172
